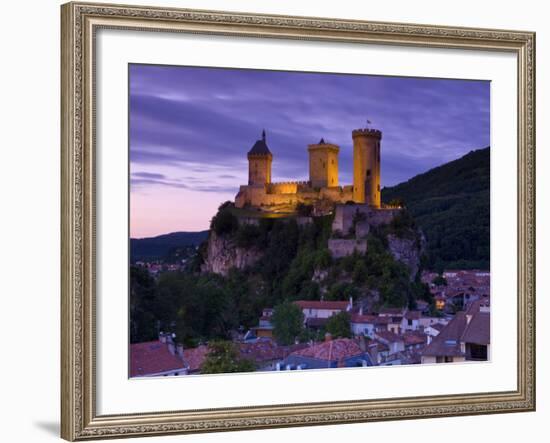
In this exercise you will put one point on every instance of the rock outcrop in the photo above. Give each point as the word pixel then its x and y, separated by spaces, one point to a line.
pixel 407 251
pixel 222 254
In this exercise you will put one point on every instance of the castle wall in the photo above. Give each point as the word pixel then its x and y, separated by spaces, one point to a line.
pixel 283 188
pixel 290 193
pixel 344 215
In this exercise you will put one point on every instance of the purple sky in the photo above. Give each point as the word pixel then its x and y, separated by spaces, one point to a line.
pixel 190 130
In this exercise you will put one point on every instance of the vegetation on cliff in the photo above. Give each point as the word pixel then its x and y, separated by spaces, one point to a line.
pixel 451 204
pixel 295 264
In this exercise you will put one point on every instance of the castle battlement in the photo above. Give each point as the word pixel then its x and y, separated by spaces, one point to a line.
pixel 300 183
pixel 367 132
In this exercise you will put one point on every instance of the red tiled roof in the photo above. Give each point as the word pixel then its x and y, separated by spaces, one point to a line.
pixel 413 315
pixel 414 338
pixel 316 304
pixel 391 311
pixel 388 336
pixel 152 357
pixel 337 349
pixel 194 357
pixel 358 318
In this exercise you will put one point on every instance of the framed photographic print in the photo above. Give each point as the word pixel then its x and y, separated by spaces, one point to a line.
pixel 283 221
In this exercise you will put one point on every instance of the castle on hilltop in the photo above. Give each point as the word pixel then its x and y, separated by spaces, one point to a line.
pixel 323 185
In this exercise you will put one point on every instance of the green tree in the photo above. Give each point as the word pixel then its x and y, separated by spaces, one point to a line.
pixel 288 322
pixel 323 258
pixel 224 222
pixel 143 301
pixel 359 272
pixel 248 235
pixel 339 325
pixel 223 357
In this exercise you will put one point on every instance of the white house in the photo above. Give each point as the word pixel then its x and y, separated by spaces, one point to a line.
pixel 322 309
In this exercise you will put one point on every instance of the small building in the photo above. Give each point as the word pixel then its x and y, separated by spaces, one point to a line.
pixel 476 339
pixel 337 353
pixel 411 321
pixel 394 342
pixel 264 328
pixel 363 325
pixel 445 347
pixel 465 338
pixel 156 358
pixel 322 309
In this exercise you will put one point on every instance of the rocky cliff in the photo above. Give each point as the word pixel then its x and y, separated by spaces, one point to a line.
pixel 407 251
pixel 222 254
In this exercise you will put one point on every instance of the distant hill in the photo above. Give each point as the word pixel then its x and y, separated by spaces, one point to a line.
pixel 450 203
pixel 162 245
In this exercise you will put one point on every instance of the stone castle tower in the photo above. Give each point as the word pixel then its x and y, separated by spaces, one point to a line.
pixel 366 166
pixel 323 164
pixel 259 163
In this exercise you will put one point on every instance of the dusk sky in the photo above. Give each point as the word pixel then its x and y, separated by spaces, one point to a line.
pixel 191 128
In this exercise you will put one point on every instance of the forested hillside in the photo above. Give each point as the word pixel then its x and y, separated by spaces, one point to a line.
pixel 451 204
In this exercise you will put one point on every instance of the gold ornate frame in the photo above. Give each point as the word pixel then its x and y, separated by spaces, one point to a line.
pixel 80 21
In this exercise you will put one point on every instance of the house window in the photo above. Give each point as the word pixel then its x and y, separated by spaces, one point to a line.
pixel 410 322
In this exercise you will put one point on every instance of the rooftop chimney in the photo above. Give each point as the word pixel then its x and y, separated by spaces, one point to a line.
pixel 179 350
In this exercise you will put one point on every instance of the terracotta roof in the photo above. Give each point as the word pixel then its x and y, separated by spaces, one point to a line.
pixel 388 336
pixel 414 338
pixel 381 320
pixel 152 357
pixel 447 342
pixel 413 315
pixel 316 304
pixel 478 331
pixel 194 357
pixel 392 311
pixel 337 349
pixel 358 318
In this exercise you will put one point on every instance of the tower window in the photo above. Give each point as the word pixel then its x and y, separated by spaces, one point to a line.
pixel 368 172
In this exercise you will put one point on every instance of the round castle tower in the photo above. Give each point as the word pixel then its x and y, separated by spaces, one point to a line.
pixel 366 166
pixel 323 164
pixel 259 163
